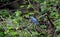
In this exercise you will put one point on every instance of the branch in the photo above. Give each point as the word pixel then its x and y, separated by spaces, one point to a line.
pixel 9 3
pixel 50 21
pixel 51 27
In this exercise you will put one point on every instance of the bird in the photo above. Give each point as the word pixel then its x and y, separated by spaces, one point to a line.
pixel 34 21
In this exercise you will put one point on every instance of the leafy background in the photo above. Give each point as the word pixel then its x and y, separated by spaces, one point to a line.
pixel 14 24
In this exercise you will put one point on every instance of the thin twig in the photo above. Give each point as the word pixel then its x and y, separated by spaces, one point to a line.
pixel 9 3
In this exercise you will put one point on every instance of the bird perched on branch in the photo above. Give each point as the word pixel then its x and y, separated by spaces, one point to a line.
pixel 34 21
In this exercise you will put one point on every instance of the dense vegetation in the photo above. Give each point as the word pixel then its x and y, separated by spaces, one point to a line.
pixel 15 22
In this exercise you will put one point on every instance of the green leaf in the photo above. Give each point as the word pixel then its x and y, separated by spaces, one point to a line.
pixel 18 13
pixel 26 15
pixel 58 35
pixel 22 6
pixel 29 6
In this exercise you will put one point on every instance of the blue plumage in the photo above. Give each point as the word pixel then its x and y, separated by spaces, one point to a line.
pixel 34 20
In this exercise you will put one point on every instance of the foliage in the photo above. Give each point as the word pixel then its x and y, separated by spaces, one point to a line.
pixel 16 25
